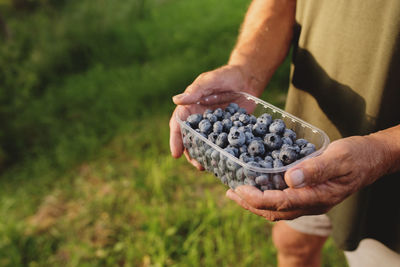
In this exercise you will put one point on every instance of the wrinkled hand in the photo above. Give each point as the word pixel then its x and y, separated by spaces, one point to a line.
pixel 317 184
pixel 209 90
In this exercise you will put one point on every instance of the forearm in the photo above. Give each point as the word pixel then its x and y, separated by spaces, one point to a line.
pixel 388 156
pixel 264 40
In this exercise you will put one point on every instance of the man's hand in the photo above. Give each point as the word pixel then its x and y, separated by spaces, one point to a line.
pixel 317 184
pixel 209 90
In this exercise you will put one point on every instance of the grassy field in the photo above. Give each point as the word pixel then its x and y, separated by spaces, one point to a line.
pixel 86 174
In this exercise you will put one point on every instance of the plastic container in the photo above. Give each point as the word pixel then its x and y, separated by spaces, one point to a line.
pixel 229 169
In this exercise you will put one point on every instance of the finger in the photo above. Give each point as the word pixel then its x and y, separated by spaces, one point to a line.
pixel 287 200
pixel 330 164
pixel 194 162
pixel 175 138
pixel 268 214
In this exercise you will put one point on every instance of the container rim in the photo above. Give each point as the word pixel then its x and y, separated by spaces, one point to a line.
pixel 318 152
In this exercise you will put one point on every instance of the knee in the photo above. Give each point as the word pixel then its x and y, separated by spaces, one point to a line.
pixel 291 242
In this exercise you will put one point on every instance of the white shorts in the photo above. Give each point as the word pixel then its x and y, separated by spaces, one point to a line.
pixel 369 253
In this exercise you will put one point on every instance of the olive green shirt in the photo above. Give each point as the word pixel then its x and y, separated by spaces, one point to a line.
pixel 345 79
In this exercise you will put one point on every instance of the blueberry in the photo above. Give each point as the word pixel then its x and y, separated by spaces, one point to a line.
pixel 306 151
pixel 231 165
pixel 215 155
pixel 249 137
pixel 244 118
pixel 194 120
pixel 205 126
pixel 219 113
pixel 212 118
pixel 218 127
pixel 277 163
pixel 240 174
pixel 209 153
pixel 288 155
pixel 206 112
pixel 253 119
pixel 265 118
pixel 275 154
pixel 237 124
pixel 256 148
pixel 188 141
pixel 268 159
pixel 265 164
pixel 222 140
pixel 245 157
pixel 227 115
pixel 272 141
pixel 213 137
pixel 235 117
pixel 267 187
pixel 236 138
pixel 234 106
pixel 257 159
pixel 227 124
pixel 249 128
pixel 260 129
pixel 277 126
pixel 242 111
pixel 230 110
pixel 248 181
pixel 217 172
pixel 221 166
pixel 232 150
pixel 287 140
pixel 243 149
pixel 232 184
pixel 301 142
pixel 278 182
pixel 224 180
pixel 250 174
pixel 263 180
pixel 289 133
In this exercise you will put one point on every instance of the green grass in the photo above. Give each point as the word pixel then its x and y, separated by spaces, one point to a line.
pixel 87 178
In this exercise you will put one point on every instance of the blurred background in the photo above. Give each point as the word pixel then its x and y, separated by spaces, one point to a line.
pixel 86 177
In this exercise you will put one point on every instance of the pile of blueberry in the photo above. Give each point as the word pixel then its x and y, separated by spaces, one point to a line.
pixel 257 142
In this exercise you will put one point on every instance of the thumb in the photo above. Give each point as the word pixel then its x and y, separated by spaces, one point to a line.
pixel 312 171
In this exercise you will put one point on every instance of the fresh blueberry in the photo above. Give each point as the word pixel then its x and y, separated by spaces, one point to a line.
pixel 213 137
pixel 287 140
pixel 256 148
pixel 248 181
pixel 275 154
pixel 219 113
pixel 227 115
pixel 277 163
pixel 244 118
pixel 236 138
pixel 206 112
pixel 235 117
pixel 215 155
pixel 242 111
pixel 289 133
pixel 288 155
pixel 267 187
pixel 263 180
pixel 217 172
pixel 232 150
pixel 237 124
pixel 277 126
pixel 222 166
pixel 301 142
pixel 249 128
pixel 253 119
pixel 243 149
pixel 249 137
pixel 212 118
pixel 245 157
pixel 232 184
pixel 205 126
pixel 240 174
pixel 272 141
pixel 260 129
pixel 234 106
pixel 307 151
pixel 265 118
pixel 278 182
pixel 227 124
pixel 250 174
pixel 265 164
pixel 194 120
pixel 232 166
pixel 224 180
pixel 218 127
pixel 268 159
pixel 222 140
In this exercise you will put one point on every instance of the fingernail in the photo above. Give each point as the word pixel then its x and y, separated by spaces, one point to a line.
pixel 297 178
pixel 179 97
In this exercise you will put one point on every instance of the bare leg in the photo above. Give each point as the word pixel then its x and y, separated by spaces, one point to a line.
pixel 295 248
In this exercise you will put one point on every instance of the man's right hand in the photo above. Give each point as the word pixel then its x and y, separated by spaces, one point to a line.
pixel 209 90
